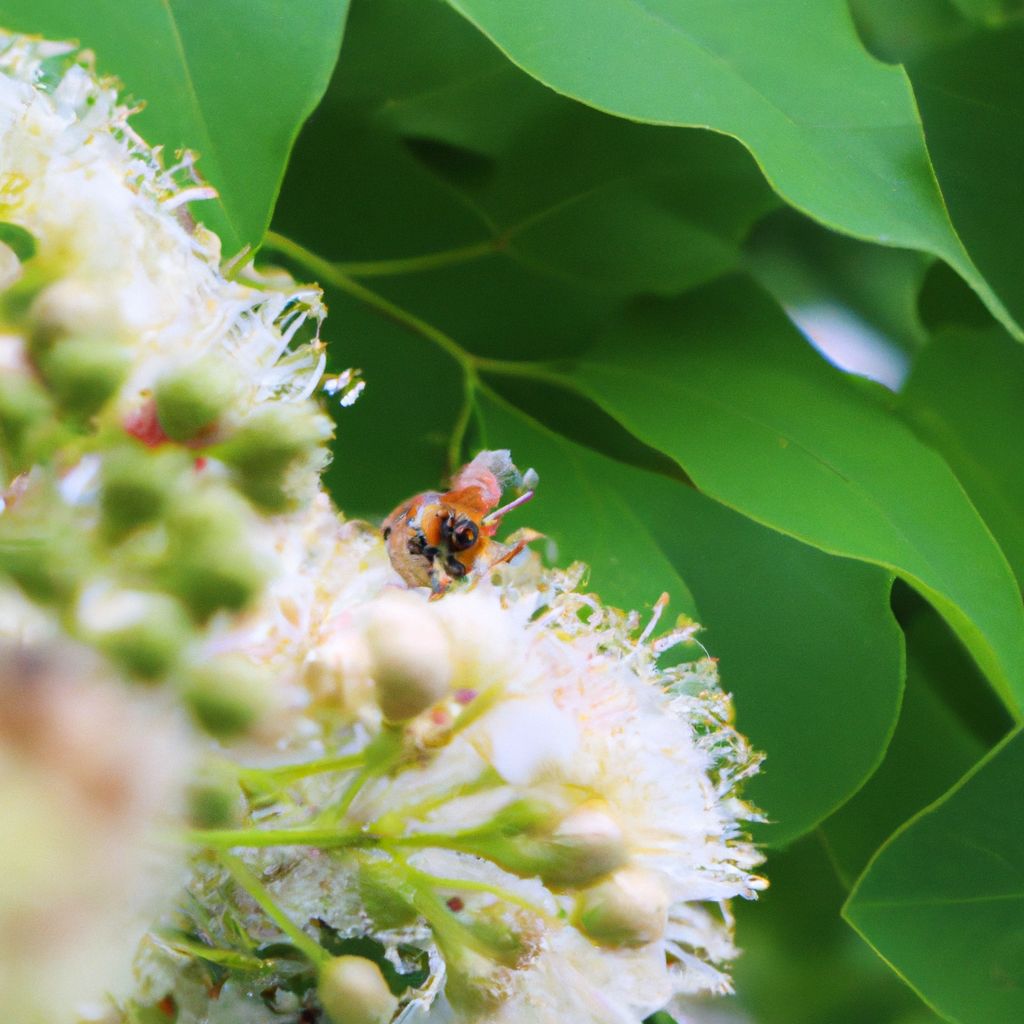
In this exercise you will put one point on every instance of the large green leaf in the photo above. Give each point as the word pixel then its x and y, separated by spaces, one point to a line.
pixel 232 80
pixel 965 396
pixel 943 900
pixel 971 96
pixel 722 382
pixel 805 641
pixel 932 747
pixel 836 133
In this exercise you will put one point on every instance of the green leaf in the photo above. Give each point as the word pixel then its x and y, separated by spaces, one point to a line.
pixel 931 748
pixel 765 425
pixel 231 80
pixel 969 94
pixel 943 900
pixel 805 641
pixel 965 396
pixel 20 241
pixel 836 133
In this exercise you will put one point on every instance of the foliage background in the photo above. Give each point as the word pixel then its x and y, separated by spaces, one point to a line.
pixel 744 282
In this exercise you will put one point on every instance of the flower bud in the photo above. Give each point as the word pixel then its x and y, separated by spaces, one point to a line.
pixel 142 632
pixel 62 308
pixel 381 887
pixel 84 373
pixel 226 696
pixel 410 657
pixel 209 563
pixel 587 844
pixel 267 443
pixel 214 799
pixel 192 398
pixel 352 990
pixel 137 483
pixel 23 405
pixel 629 908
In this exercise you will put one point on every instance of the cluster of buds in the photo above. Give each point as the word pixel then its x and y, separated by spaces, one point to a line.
pixel 495 806
pixel 152 411
pixel 501 800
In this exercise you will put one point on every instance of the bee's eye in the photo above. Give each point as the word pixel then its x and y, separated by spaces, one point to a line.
pixel 460 534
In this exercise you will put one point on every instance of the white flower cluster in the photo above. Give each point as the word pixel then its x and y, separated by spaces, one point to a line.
pixel 493 807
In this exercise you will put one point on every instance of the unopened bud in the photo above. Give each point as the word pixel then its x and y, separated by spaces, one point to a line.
pixel 352 990
pixel 272 438
pixel 23 405
pixel 192 398
pixel 142 632
pixel 137 483
pixel 629 908
pixel 210 565
pixel 84 373
pixel 62 308
pixel 227 696
pixel 410 657
pixel 214 799
pixel 381 893
pixel 587 844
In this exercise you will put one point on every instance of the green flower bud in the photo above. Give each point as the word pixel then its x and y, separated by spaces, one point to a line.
pixel 24 405
pixel 528 839
pixel 411 660
pixel 213 799
pixel 382 894
pixel 227 696
pixel 629 908
pixel 137 484
pixel 209 563
pixel 352 990
pixel 192 398
pixel 144 633
pixel 273 437
pixel 84 373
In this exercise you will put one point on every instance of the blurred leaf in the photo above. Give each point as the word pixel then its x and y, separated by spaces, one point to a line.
pixel 931 748
pixel 971 97
pixel 857 303
pixel 904 31
pixel 231 80
pixel 989 12
pixel 965 396
pixel 943 900
pixel 590 204
pixel 790 80
pixel 801 964
pixel 592 508
pixel 768 427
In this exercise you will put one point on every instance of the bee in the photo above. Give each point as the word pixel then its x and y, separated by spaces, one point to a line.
pixel 437 537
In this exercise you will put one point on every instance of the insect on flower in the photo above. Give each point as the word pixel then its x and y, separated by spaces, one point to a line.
pixel 435 538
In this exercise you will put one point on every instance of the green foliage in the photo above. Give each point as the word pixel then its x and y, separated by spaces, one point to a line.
pixel 584 230
pixel 232 80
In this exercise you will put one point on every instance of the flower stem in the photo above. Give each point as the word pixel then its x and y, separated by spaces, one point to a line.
pixel 260 894
pixel 325 838
pixel 285 774
pixel 330 273
pixel 415 264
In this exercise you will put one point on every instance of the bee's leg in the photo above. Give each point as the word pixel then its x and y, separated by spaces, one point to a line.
pixel 439 583
pixel 508 555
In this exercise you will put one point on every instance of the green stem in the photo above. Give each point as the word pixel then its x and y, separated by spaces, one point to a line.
pixel 261 895
pixel 415 264
pixel 330 273
pixel 325 838
pixel 293 772
pixel 462 422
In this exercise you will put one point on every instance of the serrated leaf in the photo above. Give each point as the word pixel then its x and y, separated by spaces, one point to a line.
pixel 943 900
pixel 231 80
